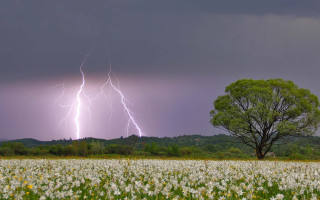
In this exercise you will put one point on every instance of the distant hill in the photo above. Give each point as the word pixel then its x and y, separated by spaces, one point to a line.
pixel 186 140
pixel 165 141
pixel 220 141
pixel 28 142
pixel 205 146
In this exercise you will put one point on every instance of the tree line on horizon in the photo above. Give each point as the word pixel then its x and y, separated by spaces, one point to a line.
pixel 214 147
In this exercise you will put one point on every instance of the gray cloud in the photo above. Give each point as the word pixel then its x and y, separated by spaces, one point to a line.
pixel 202 45
pixel 49 38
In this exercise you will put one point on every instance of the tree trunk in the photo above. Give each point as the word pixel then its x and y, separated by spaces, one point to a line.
pixel 259 153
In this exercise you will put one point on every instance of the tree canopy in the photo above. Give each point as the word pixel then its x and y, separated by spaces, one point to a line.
pixel 260 112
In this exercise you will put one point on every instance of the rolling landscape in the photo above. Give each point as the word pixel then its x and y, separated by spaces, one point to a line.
pixel 159 100
pixel 189 146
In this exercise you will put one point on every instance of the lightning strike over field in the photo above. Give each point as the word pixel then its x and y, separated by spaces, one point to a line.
pixel 127 110
pixel 123 101
pixel 76 119
pixel 78 103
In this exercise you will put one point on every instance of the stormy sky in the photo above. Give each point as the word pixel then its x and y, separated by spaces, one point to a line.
pixel 170 58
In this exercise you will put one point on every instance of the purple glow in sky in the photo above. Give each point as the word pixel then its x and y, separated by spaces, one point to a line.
pixel 156 103
pixel 172 60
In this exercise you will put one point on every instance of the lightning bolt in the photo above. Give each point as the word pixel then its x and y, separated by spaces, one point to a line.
pixel 127 110
pixel 76 119
pixel 123 101
pixel 77 103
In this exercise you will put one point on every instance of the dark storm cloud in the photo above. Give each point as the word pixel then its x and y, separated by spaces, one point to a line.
pixel 173 58
pixel 49 38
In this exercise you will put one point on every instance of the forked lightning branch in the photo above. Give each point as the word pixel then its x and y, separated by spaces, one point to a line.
pixel 77 103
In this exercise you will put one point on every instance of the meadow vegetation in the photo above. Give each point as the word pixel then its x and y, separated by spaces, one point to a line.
pixel 157 179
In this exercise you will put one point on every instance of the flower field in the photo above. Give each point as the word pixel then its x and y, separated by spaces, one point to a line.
pixel 158 179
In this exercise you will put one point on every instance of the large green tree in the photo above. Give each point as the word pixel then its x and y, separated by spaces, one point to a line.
pixel 260 112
